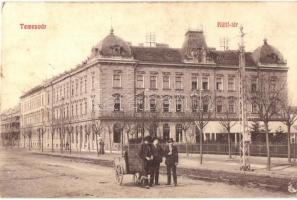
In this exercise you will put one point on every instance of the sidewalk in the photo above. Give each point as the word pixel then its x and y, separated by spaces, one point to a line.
pixel 279 166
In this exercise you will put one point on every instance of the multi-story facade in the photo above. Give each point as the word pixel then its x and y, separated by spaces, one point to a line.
pixel 10 127
pixel 121 82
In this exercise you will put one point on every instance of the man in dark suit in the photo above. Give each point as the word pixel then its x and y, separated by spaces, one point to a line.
pixel 171 161
pixel 146 155
pixel 157 159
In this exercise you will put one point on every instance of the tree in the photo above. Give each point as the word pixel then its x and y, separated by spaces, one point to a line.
pixel 88 129
pixel 257 132
pixel 289 117
pixel 41 132
pixel 265 100
pixel 226 121
pixel 202 117
pixel 185 125
pixel 52 136
pixel 97 128
pixel 69 130
pixel 151 122
pixel 109 128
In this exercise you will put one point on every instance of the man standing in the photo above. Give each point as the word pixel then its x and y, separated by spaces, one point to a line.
pixel 157 159
pixel 171 161
pixel 146 155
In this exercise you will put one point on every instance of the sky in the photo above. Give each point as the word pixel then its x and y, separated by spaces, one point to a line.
pixel 72 29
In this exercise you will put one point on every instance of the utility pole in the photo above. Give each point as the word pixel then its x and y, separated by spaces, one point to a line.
pixel 245 165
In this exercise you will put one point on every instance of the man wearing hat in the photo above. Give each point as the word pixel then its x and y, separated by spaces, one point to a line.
pixel 146 155
pixel 157 159
pixel 171 161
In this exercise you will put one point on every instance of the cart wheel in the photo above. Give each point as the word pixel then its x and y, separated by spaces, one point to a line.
pixel 119 174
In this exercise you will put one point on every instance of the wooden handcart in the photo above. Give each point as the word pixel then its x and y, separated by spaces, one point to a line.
pixel 130 163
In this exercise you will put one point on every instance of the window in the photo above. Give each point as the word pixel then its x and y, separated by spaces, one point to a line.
pixel 178 105
pixel 140 81
pixel 80 108
pixel 93 81
pixel 140 104
pixel 178 82
pixel 219 84
pixel 72 88
pixel 272 85
pixel 166 132
pixel 64 91
pixel 194 83
pixel 231 107
pixel 72 110
pixel 194 104
pixel 153 82
pixel 166 105
pixel 57 95
pixel 76 109
pixel 86 107
pixel 117 103
pixel 68 89
pixel 254 85
pixel 76 86
pixel 179 133
pixel 254 108
pixel 166 82
pixel 85 85
pixel 93 105
pixel 205 106
pixel 54 95
pixel 219 106
pixel 116 80
pixel 205 83
pixel 67 112
pixel 81 85
pixel 153 105
pixel 231 84
pixel 117 133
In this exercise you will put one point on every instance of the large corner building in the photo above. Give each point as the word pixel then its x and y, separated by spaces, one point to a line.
pixel 119 81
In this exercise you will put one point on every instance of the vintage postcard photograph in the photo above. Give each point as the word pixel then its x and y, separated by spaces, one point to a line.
pixel 148 99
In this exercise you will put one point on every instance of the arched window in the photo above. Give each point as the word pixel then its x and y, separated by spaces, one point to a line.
pixel 116 133
pixel 153 105
pixel 195 104
pixel 166 131
pixel 178 104
pixel 140 103
pixel 166 105
pixel 231 106
pixel 179 133
pixel 219 107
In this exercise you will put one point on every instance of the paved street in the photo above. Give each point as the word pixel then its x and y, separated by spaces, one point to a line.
pixel 27 175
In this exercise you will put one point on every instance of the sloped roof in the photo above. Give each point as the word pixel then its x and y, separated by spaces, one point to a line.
pixel 32 91
pixel 231 57
pixel 157 54
pixel 170 55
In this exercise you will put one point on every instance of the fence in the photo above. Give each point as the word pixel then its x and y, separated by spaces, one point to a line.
pixel 279 150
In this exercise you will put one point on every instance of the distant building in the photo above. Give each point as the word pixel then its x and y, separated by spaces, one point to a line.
pixel 119 81
pixel 10 127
